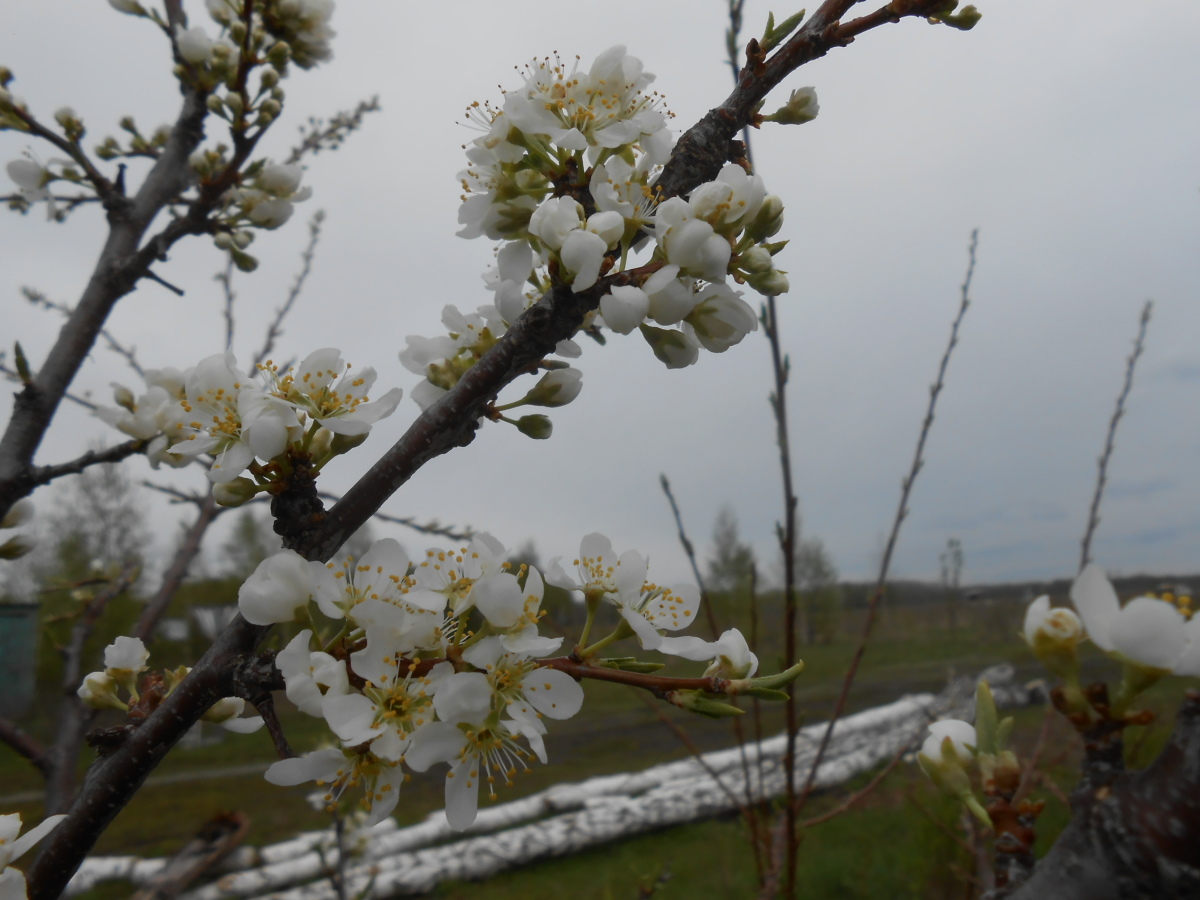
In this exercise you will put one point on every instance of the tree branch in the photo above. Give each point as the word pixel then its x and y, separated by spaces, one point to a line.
pixel 13 735
pixel 1136 836
pixel 189 547
pixel 1085 545
pixel 39 475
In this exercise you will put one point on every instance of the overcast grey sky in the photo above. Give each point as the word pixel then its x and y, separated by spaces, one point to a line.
pixel 1068 132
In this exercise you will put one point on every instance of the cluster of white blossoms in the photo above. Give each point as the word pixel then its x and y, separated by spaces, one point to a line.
pixel 320 408
pixel 1151 636
pixel 564 176
pixel 1159 634
pixel 439 660
pixel 125 659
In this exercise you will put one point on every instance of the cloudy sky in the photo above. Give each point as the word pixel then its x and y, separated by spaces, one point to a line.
pixel 1069 133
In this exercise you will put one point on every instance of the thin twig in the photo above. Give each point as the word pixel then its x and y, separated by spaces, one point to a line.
pixel 225 279
pixel 275 329
pixel 432 527
pixel 850 801
pixel 1085 551
pixel 16 738
pixel 690 552
pixel 176 494
pixel 129 354
pixel 901 513
pixel 172 578
pixel 40 475
pixel 1030 765
pixel 696 753
pixel 788 539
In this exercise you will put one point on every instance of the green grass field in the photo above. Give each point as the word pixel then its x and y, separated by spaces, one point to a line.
pixel 897 843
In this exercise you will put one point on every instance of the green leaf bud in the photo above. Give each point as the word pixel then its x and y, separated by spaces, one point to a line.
pixel 701 705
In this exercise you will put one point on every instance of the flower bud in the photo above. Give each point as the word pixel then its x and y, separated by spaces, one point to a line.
pixel 344 443
pixel 20 513
pixel 232 494
pixel 556 388
pixel 770 284
pixel 99 691
pixel 269 77
pixel 767 221
pixel 15 548
pixel 756 259
pixel 801 107
pixel 1053 635
pixel 124 397
pixel 215 104
pixel 673 348
pixel 279 54
pixel 535 426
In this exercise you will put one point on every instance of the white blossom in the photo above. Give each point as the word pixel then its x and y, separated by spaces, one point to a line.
pixel 12 882
pixel 279 588
pixel 1147 631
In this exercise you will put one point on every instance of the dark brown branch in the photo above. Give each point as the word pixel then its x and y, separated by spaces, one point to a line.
pixel 1093 521
pixel 13 735
pixel 40 475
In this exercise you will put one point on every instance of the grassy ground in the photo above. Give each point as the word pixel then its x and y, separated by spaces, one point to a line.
pixel 900 842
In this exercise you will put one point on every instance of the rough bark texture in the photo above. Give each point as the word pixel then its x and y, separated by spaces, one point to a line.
pixel 1136 837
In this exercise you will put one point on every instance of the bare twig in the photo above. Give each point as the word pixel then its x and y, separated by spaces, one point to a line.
pixel 129 354
pixel 173 577
pixel 1030 765
pixel 788 537
pixel 1093 521
pixel 696 753
pixel 858 795
pixel 901 513
pixel 225 279
pixel 320 135
pixel 73 717
pixel 432 527
pixel 178 496
pixel 275 329
pixel 40 475
pixel 16 737
pixel 690 552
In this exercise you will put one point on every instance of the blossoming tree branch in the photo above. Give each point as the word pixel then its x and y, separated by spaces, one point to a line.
pixel 606 224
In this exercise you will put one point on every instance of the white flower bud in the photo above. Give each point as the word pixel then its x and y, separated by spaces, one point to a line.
pixel 20 513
